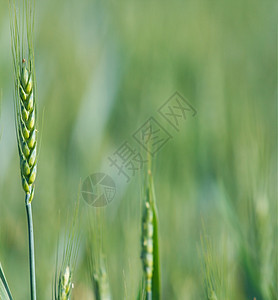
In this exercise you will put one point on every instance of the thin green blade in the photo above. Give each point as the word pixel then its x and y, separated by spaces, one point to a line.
pixel 5 293
pixel 141 291
pixel 156 286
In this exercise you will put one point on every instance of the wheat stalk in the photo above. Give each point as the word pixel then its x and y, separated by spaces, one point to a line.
pixel 25 112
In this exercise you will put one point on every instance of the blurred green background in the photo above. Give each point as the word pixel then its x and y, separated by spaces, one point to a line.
pixel 103 68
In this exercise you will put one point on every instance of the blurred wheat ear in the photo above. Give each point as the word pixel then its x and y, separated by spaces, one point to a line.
pixel 22 32
pixel 101 281
pixel 65 284
pixel 63 280
pixel 214 270
pixel 150 244
pixel 97 260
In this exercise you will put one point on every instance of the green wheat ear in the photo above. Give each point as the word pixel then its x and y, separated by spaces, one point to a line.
pixel 63 280
pixel 214 269
pixel 26 130
pixel 97 262
pixel 25 96
pixel 65 284
pixel 150 243
pixel 147 244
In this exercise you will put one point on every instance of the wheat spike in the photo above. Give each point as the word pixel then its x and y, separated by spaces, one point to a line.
pixel 26 130
pixel 150 243
pixel 147 245
pixel 65 285
pixel 63 281
pixel 25 94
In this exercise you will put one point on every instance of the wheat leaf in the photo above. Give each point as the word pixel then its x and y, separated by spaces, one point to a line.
pixel 5 293
pixel 141 291
pixel 156 286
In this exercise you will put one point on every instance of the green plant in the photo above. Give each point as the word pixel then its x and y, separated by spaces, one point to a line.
pixel 214 277
pixel 100 280
pixel 65 284
pixel 96 259
pixel 0 109
pixel 63 281
pixel 25 113
pixel 150 243
pixel 5 293
pixel 106 68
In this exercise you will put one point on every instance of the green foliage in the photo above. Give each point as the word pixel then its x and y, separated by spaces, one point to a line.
pixel 102 69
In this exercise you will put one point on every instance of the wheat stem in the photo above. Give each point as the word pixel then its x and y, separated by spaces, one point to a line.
pixel 31 248
pixel 149 295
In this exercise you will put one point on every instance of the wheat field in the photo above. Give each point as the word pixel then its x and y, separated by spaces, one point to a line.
pixel 104 72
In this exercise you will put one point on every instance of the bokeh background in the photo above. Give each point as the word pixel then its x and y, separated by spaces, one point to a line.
pixel 103 68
